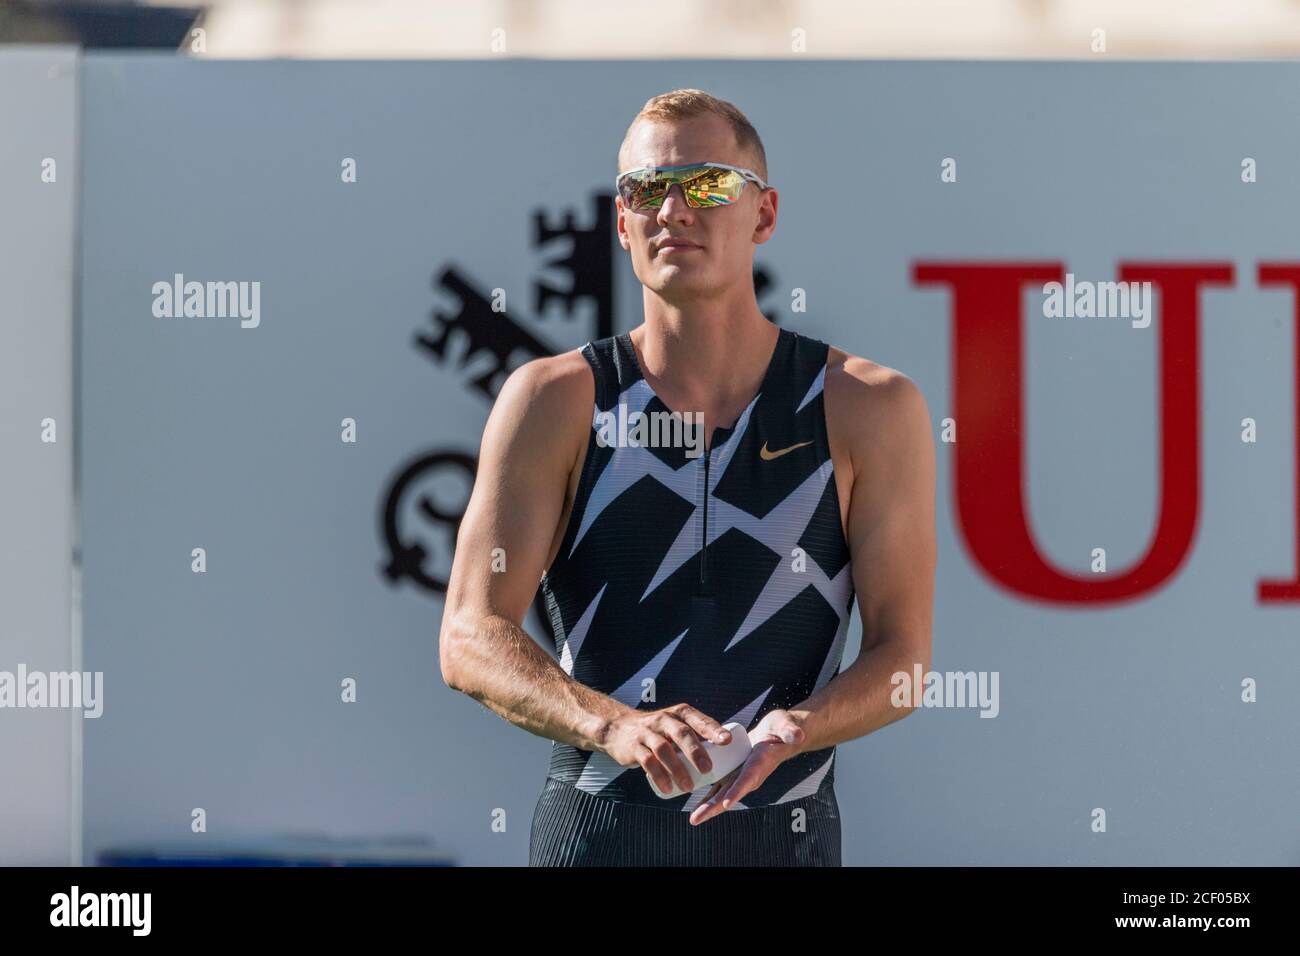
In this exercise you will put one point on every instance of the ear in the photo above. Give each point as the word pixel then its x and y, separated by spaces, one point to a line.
pixel 620 225
pixel 767 207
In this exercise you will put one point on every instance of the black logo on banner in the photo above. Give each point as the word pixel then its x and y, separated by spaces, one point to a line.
pixel 419 533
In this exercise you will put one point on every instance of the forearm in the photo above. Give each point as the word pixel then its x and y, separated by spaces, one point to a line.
pixel 498 664
pixel 857 701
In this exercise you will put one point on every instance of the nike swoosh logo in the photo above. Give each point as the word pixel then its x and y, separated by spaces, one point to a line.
pixel 766 455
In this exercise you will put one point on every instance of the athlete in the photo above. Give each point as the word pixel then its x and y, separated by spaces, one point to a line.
pixel 707 578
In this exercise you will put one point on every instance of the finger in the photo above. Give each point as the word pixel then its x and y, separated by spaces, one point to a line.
pixel 704 725
pixel 710 807
pixel 687 740
pixel 700 814
pixel 705 811
pixel 665 749
pixel 660 779
pixel 750 775
pixel 788 731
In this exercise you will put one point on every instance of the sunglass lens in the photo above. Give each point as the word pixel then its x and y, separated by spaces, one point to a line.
pixel 642 190
pixel 713 187
pixel 701 185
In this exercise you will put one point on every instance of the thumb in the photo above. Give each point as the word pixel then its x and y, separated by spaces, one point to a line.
pixel 787 730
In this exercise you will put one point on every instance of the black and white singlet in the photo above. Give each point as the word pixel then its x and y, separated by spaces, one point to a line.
pixel 720 580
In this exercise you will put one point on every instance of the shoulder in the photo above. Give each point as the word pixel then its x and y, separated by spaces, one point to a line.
pixel 869 405
pixel 863 387
pixel 551 396
pixel 555 381
pixel 553 377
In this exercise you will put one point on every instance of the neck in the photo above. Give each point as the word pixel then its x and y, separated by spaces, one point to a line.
pixel 707 356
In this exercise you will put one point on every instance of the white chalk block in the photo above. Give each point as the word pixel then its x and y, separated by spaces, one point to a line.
pixel 725 757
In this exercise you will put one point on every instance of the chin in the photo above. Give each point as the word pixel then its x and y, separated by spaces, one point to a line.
pixel 679 281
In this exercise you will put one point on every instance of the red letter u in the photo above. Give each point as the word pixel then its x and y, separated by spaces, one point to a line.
pixel 986 380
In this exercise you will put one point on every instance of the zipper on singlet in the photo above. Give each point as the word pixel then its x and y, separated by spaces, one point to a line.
pixel 704 551
pixel 704 545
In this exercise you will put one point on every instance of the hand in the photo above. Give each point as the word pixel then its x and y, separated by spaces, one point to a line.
pixel 775 739
pixel 660 741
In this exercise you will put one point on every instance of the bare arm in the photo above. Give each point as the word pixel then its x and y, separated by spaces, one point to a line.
pixel 531 444
pixel 882 418
pixel 534 440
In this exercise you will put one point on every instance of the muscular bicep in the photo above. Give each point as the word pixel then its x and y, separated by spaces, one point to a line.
pixel 530 445
pixel 891 515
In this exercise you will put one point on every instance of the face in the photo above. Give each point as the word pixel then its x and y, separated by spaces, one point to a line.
pixel 685 254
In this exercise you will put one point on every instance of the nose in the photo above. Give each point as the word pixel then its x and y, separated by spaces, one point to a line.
pixel 674 207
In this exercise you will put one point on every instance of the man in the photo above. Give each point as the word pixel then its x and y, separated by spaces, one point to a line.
pixel 709 579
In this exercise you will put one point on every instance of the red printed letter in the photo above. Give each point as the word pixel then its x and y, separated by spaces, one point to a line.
pixel 990 476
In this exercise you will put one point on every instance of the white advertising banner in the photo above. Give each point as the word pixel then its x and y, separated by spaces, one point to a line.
pixel 303 283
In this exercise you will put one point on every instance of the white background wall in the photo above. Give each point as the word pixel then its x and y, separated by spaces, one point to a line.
pixel 39 759
pixel 223 688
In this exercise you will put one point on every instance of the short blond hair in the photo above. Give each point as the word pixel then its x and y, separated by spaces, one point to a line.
pixel 687 104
